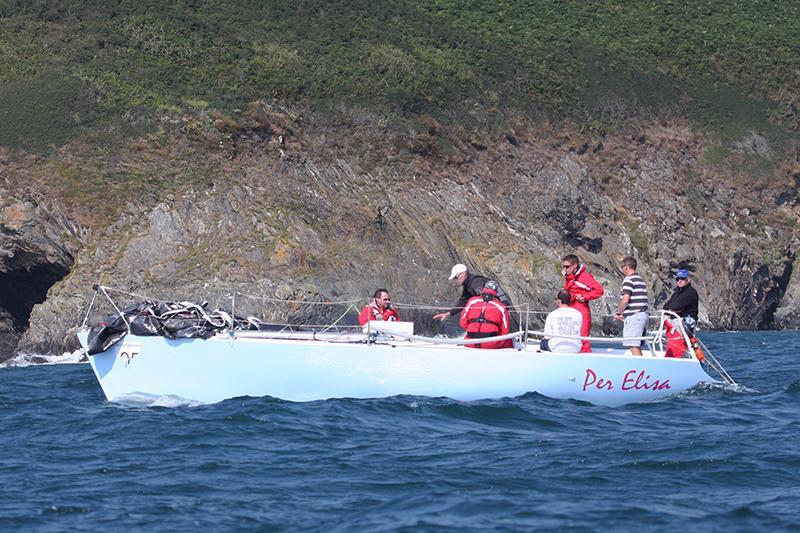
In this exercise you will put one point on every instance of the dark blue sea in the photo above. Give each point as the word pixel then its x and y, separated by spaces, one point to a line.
pixel 714 459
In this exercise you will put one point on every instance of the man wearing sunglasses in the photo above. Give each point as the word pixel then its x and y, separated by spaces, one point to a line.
pixel 685 300
pixel 379 308
pixel 582 287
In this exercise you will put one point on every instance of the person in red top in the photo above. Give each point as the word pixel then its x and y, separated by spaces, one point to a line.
pixel 485 316
pixel 583 288
pixel 379 308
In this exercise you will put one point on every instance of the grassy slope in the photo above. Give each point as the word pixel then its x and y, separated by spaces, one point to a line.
pixel 182 78
pixel 66 66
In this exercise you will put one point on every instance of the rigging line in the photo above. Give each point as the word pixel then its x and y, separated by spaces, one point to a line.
pixel 460 341
pixel 89 310
pixel 148 298
pixel 297 326
pixel 416 306
pixel 609 340
pixel 120 291
pixel 275 300
pixel 341 317
pixel 517 308
pixel 716 368
pixel 721 370
pixel 534 312
pixel 310 302
pixel 122 316
pixel 520 307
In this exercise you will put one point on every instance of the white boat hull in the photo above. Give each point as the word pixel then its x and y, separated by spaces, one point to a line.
pixel 303 370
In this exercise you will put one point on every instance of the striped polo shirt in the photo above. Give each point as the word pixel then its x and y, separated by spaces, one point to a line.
pixel 636 287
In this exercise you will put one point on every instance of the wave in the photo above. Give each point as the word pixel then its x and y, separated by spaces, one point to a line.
pixel 76 357
pixel 143 399
pixel 705 388
pixel 794 386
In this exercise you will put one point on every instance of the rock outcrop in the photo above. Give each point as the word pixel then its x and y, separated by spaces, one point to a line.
pixel 287 221
pixel 36 251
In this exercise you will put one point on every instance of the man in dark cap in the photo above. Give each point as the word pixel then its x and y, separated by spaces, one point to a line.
pixel 685 300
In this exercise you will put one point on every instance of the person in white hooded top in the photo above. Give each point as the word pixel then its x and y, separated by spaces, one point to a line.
pixel 565 320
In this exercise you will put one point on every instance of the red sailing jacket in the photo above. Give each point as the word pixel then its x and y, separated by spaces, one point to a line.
pixel 372 312
pixel 581 282
pixel 485 319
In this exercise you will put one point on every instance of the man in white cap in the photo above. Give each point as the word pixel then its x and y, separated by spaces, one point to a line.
pixel 472 285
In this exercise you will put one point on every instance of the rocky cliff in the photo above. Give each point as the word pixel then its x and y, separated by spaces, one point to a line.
pixel 36 251
pixel 314 153
pixel 280 209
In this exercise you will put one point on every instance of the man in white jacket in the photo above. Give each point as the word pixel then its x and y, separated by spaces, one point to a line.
pixel 565 320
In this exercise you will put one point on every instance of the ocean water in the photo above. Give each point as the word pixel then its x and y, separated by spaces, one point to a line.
pixel 716 458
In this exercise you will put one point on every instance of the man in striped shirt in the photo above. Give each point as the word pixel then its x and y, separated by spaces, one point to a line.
pixel 632 307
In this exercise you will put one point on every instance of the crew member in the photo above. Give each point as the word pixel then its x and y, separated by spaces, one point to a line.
pixel 632 306
pixel 471 285
pixel 486 316
pixel 379 308
pixel 583 288
pixel 685 300
pixel 565 320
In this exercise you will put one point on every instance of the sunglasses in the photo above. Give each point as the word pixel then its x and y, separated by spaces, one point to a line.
pixel 680 279
pixel 567 265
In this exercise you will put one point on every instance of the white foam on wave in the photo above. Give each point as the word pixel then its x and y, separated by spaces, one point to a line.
pixel 143 399
pixel 738 388
pixel 67 358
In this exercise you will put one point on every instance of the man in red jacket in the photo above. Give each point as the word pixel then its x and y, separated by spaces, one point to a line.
pixel 583 288
pixel 485 316
pixel 379 308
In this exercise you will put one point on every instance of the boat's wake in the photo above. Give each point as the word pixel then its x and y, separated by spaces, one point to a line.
pixel 706 388
pixel 34 359
pixel 794 386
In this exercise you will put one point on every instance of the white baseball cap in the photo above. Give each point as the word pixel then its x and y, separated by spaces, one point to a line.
pixel 457 269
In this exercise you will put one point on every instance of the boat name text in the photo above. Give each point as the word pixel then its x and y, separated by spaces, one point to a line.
pixel 633 380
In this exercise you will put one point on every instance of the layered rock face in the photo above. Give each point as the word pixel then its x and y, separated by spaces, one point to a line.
pixel 35 253
pixel 287 221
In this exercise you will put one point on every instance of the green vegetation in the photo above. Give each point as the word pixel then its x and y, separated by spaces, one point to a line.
pixel 537 262
pixel 46 110
pixel 106 189
pixel 638 240
pixel 731 66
